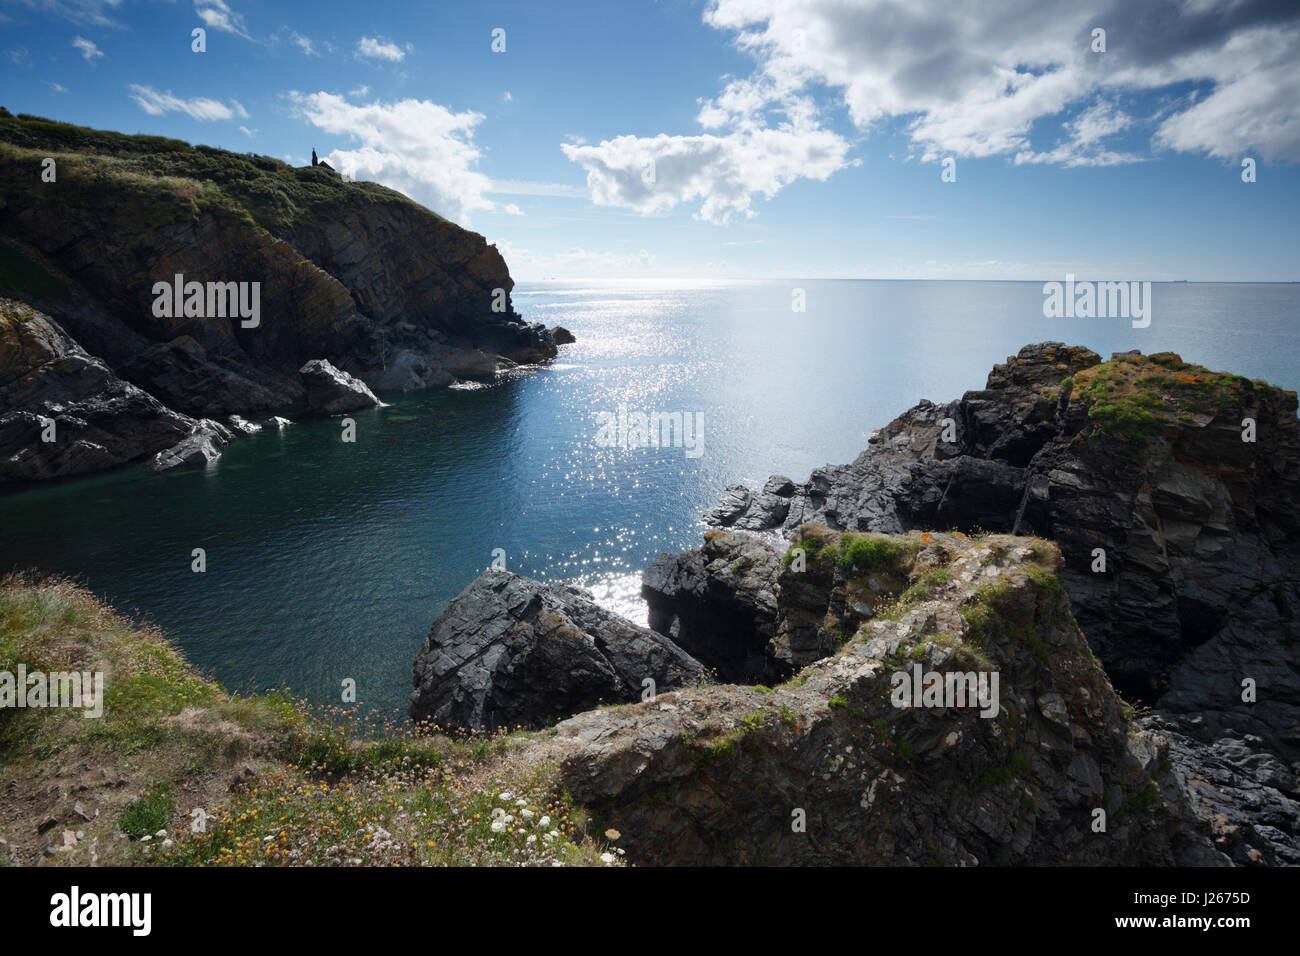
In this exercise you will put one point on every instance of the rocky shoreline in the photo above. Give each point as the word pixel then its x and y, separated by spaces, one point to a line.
pixel 355 285
pixel 1086 529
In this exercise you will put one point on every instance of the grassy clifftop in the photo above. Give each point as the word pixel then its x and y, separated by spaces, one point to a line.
pixel 276 195
pixel 177 771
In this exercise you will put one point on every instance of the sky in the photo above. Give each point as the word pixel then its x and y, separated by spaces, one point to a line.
pixel 936 139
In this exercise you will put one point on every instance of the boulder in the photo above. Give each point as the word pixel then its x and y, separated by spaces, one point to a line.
pixel 510 652
pixel 331 391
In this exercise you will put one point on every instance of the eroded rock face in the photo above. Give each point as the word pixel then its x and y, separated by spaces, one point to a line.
pixel 99 421
pixel 332 392
pixel 350 273
pixel 827 770
pixel 511 652
pixel 1140 461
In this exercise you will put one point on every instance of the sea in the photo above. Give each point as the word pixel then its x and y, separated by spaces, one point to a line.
pixel 328 560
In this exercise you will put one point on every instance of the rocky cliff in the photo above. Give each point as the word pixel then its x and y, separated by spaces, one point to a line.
pixel 1171 490
pixel 351 273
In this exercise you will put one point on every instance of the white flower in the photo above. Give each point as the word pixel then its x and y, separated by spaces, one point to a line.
pixel 506 795
pixel 531 839
pixel 607 858
pixel 498 826
pixel 544 821
pixel 527 814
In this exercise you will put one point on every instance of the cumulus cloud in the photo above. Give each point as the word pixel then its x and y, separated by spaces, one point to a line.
pixel 975 82
pixel 723 172
pixel 1083 145
pixel 415 146
pixel 217 15
pixel 975 79
pixel 89 51
pixel 372 48
pixel 199 107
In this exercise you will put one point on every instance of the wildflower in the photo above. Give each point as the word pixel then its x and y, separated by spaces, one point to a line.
pixel 607 858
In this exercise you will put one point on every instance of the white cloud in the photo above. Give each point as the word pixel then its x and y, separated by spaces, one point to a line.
pixel 512 210
pixel 375 49
pixel 250 133
pixel 416 146
pixel 654 174
pixel 199 107
pixel 89 51
pixel 92 12
pixel 360 92
pixel 975 82
pixel 58 88
pixel 217 15
pixel 1083 147
pixel 304 43
pixel 985 80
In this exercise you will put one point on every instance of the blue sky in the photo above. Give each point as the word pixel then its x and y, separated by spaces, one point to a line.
pixel 738 138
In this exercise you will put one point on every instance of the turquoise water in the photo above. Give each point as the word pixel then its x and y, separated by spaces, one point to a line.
pixel 328 560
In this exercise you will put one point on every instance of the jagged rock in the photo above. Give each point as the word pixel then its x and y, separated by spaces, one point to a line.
pixel 242 426
pixel 201 447
pixel 562 336
pixel 277 423
pixel 718 603
pixel 509 651
pixel 1140 460
pixel 99 421
pixel 332 392
pixel 833 768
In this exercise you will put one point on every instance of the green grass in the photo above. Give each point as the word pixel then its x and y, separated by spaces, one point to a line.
pixel 150 812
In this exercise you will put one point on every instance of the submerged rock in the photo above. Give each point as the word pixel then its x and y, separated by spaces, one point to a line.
pixel 509 651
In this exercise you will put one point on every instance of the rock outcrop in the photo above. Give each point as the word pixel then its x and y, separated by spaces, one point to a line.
pixel 351 273
pixel 835 767
pixel 63 412
pixel 332 392
pixel 512 652
pixel 1171 492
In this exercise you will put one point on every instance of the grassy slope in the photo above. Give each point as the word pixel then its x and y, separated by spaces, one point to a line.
pixel 283 785
pixel 275 195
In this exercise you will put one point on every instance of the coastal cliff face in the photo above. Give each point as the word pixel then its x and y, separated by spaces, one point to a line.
pixel 351 273
pixel 1171 491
